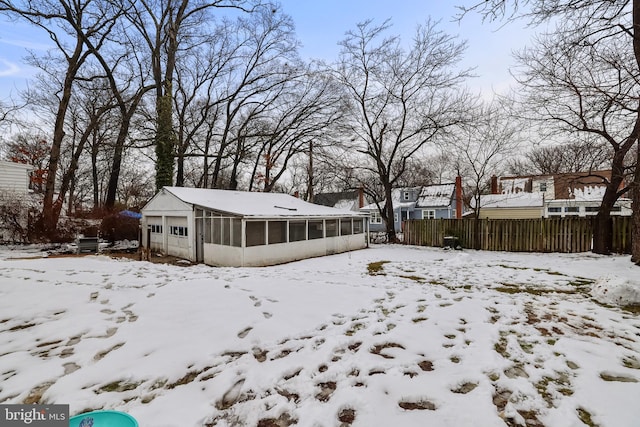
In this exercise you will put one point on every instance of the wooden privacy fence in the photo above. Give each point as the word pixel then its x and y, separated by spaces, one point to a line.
pixel 570 234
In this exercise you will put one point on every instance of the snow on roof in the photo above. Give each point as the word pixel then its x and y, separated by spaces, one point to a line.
pixel 436 195
pixel 511 200
pixel 255 204
pixel 588 193
pixel 513 185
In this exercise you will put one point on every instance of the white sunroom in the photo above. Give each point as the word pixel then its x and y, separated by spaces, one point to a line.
pixel 242 229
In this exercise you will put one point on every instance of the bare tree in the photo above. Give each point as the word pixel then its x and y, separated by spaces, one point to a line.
pixel 598 22
pixel 480 150
pixel 68 24
pixel 400 99
pixel 579 89
pixel 169 29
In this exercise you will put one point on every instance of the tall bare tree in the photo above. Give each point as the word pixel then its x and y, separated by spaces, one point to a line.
pixel 580 89
pixel 170 28
pixel 400 99
pixel 68 24
pixel 602 25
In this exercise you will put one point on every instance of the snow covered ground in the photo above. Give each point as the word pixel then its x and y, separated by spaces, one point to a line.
pixel 386 336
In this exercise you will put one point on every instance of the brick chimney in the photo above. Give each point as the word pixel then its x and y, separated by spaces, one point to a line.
pixel 494 185
pixel 296 194
pixel 458 197
pixel 360 197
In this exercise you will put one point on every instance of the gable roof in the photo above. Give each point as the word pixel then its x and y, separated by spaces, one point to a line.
pixel 341 200
pixel 436 195
pixel 254 204
pixel 510 200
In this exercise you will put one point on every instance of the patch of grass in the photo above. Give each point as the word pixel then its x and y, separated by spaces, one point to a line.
pixel 513 289
pixel 585 417
pixel 376 268
pixel 618 378
pixel 635 309
pixel 418 319
pixel 417 279
pixel 354 328
pixel 418 405
pixel 501 347
pixel 117 386
pixel 631 362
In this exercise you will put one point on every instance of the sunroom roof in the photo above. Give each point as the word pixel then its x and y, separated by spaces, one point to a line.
pixel 253 204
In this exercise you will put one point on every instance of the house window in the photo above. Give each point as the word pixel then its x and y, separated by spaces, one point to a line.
pixel 256 233
pixel 178 231
pixel 592 209
pixel 236 232
pixel 345 227
pixel 428 214
pixel 277 232
pixel 616 209
pixel 554 209
pixel 331 227
pixel 406 196
pixel 376 218
pixel 315 229
pixel 207 230
pixel 226 231
pixel 572 209
pixel 358 226
pixel 156 228
pixel 395 217
pixel 297 231
pixel 543 186
pixel 216 238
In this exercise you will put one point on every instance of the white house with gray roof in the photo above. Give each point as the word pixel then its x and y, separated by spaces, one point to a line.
pixel 241 229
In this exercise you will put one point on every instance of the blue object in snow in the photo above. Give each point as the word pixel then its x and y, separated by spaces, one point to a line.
pixel 130 214
pixel 103 419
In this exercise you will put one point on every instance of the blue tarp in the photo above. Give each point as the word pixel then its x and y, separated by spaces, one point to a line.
pixel 130 214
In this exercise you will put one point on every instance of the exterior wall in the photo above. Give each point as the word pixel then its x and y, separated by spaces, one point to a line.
pixel 623 208
pixel 257 256
pixel 511 213
pixel 169 211
pixel 14 177
pixel 223 256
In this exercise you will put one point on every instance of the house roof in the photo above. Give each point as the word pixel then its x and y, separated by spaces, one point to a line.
pixel 253 204
pixel 436 195
pixel 511 200
pixel 341 200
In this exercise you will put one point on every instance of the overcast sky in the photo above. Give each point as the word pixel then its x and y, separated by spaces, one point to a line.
pixel 320 25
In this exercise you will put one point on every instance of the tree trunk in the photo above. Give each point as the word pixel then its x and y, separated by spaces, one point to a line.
pixel 388 208
pixel 48 221
pixel 635 187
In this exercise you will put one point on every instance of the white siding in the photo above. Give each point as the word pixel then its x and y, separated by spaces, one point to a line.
pixel 14 177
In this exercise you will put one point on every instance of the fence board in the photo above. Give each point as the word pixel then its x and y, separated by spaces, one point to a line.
pixel 570 234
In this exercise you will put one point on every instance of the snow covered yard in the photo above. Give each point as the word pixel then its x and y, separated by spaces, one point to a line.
pixel 387 336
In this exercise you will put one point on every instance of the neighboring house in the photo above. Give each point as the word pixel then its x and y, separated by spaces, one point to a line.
pixel 427 202
pixel 14 189
pixel 351 200
pixel 15 177
pixel 559 195
pixel 240 229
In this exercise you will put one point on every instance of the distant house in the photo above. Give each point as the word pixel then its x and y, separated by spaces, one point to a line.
pixel 428 202
pixel 15 177
pixel 240 229
pixel 547 196
pixel 351 200
pixel 14 189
